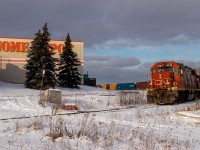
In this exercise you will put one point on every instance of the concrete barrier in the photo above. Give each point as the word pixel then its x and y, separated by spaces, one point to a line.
pixel 53 96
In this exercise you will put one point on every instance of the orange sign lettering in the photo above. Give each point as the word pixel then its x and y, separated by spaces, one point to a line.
pixel 11 46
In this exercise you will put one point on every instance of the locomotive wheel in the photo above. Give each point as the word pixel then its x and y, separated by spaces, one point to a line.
pixel 182 96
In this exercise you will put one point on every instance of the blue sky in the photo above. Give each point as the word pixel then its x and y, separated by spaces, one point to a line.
pixel 190 52
pixel 122 38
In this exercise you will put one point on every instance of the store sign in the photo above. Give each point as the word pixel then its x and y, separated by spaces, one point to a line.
pixel 10 46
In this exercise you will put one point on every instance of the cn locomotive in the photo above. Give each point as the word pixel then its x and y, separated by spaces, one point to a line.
pixel 172 82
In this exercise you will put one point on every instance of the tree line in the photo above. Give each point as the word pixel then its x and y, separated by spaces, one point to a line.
pixel 42 71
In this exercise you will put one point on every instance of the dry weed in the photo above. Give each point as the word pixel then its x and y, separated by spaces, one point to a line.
pixel 17 127
pixel 36 124
pixel 131 98
pixel 55 109
pixel 55 128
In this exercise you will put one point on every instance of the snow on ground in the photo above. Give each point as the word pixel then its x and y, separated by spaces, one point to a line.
pixel 125 121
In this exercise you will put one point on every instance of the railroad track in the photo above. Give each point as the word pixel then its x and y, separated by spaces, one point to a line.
pixel 140 107
pixel 85 112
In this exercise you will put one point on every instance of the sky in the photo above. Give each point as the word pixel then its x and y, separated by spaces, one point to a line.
pixel 122 38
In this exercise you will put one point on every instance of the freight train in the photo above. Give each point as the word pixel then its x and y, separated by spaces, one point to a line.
pixel 125 86
pixel 172 82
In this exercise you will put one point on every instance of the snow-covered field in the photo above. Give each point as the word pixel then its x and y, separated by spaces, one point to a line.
pixel 105 120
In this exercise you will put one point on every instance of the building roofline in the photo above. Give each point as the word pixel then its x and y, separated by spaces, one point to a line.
pixel 32 38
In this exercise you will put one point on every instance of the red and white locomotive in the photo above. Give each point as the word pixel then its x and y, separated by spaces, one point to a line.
pixel 173 82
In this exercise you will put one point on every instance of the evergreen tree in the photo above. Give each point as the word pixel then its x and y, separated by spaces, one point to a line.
pixel 68 74
pixel 33 69
pixel 40 67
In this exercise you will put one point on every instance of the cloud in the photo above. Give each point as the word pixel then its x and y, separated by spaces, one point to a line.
pixel 97 58
pixel 113 31
pixel 115 69
pixel 106 22
pixel 112 61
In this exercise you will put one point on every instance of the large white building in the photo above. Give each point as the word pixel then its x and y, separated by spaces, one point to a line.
pixel 13 55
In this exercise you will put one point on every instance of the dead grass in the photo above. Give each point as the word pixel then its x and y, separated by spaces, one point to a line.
pixel 55 109
pixel 36 124
pixel 43 100
pixel 56 128
pixel 193 107
pixel 109 134
pixel 17 127
pixel 131 98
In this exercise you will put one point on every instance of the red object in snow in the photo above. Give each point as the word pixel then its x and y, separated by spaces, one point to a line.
pixel 69 106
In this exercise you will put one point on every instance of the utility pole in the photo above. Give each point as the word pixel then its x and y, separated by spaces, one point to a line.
pixel 42 95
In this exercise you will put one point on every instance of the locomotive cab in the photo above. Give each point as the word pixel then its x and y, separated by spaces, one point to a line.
pixel 165 75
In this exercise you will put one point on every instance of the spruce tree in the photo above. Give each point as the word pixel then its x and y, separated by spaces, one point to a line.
pixel 40 67
pixel 68 73
pixel 33 69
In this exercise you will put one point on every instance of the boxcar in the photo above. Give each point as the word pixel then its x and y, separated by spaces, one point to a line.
pixel 113 86
pixel 126 86
pixel 142 85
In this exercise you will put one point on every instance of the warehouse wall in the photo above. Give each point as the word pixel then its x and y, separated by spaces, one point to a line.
pixel 13 54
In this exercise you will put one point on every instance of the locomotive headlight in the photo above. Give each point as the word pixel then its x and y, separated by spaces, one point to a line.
pixel 160 65
pixel 169 64
pixel 174 88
